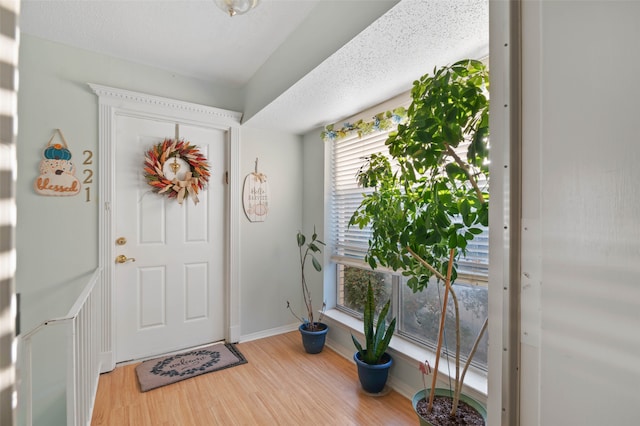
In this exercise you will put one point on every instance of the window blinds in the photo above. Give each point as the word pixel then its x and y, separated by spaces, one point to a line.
pixel 348 155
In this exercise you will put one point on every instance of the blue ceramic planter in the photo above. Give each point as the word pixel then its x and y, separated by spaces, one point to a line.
pixel 446 392
pixel 373 377
pixel 313 341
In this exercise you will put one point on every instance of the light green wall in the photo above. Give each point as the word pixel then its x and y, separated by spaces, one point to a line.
pixel 269 266
pixel 313 208
pixel 57 237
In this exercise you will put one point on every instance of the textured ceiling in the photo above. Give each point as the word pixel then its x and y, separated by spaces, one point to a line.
pixel 383 61
pixel 183 36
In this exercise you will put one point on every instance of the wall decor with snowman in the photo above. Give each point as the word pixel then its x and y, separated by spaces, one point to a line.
pixel 57 172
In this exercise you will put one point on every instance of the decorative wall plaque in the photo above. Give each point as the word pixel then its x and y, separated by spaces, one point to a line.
pixel 255 196
pixel 57 172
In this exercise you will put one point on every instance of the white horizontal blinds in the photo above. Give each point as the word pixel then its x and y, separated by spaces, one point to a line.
pixel 475 263
pixel 349 155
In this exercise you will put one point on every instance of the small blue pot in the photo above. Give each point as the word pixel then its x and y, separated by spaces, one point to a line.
pixel 373 377
pixel 313 341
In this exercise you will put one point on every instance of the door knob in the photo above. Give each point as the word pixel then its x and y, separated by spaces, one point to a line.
pixel 123 259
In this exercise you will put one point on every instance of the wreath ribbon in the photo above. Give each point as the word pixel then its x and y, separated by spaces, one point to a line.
pixel 185 187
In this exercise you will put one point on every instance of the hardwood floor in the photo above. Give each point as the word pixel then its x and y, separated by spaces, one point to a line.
pixel 280 385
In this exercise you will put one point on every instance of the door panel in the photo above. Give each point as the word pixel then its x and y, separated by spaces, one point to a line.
pixel 151 287
pixel 196 291
pixel 151 221
pixel 172 296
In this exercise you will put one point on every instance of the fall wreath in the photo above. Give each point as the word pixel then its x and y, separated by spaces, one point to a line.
pixel 177 169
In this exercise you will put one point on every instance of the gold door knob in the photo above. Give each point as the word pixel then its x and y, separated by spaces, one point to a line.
pixel 123 259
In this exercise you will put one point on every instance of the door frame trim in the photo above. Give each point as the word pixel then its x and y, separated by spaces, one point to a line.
pixel 113 102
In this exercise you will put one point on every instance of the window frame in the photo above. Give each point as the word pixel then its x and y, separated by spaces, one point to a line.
pixel 349 257
pixel 397 285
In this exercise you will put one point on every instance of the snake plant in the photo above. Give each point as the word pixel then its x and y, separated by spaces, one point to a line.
pixel 377 342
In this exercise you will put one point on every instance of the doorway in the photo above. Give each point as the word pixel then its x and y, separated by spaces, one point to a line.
pixel 203 123
pixel 169 284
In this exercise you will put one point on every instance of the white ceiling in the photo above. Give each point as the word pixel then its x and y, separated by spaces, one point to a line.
pixel 183 36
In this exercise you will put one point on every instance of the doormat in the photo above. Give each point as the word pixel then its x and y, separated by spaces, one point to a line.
pixel 165 370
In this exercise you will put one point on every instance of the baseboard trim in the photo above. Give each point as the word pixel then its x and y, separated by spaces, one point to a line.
pixel 268 333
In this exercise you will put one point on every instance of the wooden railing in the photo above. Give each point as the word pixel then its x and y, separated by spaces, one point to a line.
pixel 83 358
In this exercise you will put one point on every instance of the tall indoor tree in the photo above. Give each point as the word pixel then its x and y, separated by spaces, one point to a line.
pixel 430 193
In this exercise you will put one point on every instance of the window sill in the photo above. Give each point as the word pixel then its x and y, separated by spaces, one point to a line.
pixel 475 382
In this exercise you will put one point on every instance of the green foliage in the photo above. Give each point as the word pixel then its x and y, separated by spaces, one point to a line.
pixel 432 201
pixel 307 251
pixel 312 246
pixel 355 288
pixel 429 201
pixel 377 342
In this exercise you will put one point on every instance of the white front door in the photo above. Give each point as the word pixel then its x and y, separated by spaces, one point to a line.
pixel 172 296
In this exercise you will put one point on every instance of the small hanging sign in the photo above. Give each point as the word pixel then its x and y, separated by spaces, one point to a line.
pixel 57 172
pixel 255 196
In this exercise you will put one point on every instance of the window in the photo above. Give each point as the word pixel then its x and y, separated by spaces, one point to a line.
pixel 348 156
pixel 418 314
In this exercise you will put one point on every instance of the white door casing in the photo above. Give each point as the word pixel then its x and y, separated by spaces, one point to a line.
pixel 170 293
pixel 114 102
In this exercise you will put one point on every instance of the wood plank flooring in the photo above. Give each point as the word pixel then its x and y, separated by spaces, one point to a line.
pixel 280 385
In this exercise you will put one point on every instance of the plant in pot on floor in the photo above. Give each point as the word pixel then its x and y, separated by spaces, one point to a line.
pixel 313 332
pixel 425 209
pixel 374 362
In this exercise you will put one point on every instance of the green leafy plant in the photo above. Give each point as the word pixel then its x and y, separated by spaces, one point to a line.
pixel 307 250
pixel 377 342
pixel 430 200
pixel 355 287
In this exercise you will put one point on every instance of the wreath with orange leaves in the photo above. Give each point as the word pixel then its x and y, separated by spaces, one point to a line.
pixel 182 184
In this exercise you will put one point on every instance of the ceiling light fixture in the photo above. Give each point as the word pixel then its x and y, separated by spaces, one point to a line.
pixel 236 7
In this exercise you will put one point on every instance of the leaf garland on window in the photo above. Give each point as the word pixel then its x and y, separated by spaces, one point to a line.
pixel 382 121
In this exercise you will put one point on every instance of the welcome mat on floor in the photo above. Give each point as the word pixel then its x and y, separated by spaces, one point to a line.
pixel 174 368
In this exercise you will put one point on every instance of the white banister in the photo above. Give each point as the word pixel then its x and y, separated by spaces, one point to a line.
pixel 83 360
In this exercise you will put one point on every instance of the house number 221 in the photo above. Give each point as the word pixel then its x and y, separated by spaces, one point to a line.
pixel 88 173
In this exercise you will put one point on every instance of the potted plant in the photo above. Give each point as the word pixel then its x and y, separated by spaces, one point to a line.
pixel 374 362
pixel 430 200
pixel 313 332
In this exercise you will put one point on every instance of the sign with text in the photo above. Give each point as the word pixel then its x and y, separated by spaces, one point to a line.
pixel 255 197
pixel 57 172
